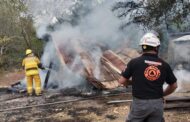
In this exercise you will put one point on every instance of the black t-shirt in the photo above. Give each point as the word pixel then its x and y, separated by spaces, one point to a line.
pixel 148 74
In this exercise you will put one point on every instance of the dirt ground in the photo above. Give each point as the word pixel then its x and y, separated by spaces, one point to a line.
pixel 7 78
pixel 91 110
pixel 94 109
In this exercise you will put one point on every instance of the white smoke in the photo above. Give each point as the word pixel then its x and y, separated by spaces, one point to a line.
pixel 179 58
pixel 99 26
pixel 183 79
pixel 44 11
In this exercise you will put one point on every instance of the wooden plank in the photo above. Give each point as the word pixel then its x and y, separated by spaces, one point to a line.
pixel 115 64
pixel 177 105
pixel 106 74
pixel 129 52
pixel 118 101
pixel 86 59
pixel 89 66
pixel 3 88
pixel 110 66
pixel 111 84
pixel 96 83
pixel 113 60
pixel 110 60
pixel 114 72
pixel 176 99
pixel 60 53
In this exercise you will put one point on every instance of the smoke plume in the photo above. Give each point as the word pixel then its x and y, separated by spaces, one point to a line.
pixel 183 77
pixel 89 24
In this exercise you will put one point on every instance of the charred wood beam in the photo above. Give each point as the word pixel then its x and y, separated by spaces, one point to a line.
pixel 89 66
pixel 96 83
pixel 177 105
pixel 111 84
pixel 47 75
pixel 3 88
pixel 177 99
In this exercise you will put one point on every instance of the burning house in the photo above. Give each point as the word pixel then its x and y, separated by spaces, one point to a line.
pixel 87 51
pixel 100 67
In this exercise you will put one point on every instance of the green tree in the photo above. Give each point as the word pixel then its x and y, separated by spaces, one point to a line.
pixel 162 16
pixel 16 34
pixel 153 13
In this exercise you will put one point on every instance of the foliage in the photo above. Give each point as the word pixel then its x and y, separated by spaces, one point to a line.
pixel 16 34
pixel 153 13
pixel 162 16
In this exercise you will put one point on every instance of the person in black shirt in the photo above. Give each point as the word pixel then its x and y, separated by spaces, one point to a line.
pixel 149 73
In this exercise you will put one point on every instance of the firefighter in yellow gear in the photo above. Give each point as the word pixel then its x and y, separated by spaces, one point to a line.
pixel 31 64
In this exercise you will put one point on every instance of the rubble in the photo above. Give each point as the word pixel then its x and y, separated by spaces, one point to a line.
pixel 111 64
pixel 17 87
pixel 113 61
pixel 170 102
pixel 3 88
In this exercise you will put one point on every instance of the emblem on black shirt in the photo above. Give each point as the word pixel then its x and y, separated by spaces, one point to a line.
pixel 152 73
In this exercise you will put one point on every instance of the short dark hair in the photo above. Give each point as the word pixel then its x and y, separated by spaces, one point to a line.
pixel 146 48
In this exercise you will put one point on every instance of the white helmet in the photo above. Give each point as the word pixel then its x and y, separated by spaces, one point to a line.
pixel 150 39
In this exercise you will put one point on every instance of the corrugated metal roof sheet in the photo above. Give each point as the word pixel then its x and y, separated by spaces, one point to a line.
pixel 183 38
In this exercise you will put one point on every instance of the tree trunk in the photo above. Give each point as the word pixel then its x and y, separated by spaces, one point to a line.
pixel 26 38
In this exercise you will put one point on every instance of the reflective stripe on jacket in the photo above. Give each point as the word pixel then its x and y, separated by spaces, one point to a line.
pixel 30 64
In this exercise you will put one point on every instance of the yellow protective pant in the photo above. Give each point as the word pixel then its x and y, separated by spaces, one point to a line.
pixel 37 80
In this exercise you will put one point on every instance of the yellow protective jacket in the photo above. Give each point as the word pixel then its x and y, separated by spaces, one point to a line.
pixel 30 63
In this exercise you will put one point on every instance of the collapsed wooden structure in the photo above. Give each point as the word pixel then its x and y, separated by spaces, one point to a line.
pixel 111 64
